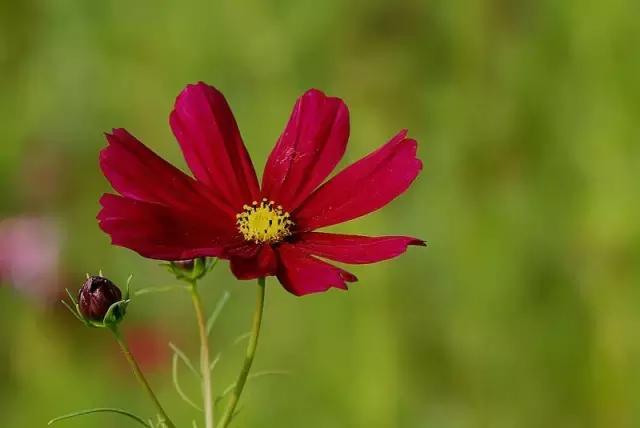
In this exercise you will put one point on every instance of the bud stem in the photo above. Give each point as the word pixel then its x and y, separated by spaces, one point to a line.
pixel 139 375
pixel 248 361
pixel 207 397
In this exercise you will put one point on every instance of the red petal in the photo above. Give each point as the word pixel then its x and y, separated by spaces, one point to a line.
pixel 136 172
pixel 353 248
pixel 161 232
pixel 210 140
pixel 310 147
pixel 260 264
pixel 303 274
pixel 363 187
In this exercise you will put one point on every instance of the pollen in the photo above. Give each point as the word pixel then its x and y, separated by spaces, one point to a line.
pixel 264 221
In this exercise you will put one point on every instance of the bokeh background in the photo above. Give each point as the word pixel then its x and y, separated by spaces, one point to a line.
pixel 523 311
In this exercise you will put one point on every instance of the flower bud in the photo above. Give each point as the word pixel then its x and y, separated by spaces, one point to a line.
pixel 96 297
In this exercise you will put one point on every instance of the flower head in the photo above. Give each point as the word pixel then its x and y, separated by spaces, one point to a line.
pixel 263 230
pixel 96 297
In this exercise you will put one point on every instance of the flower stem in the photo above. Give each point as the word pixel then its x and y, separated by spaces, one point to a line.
pixel 207 397
pixel 140 376
pixel 248 360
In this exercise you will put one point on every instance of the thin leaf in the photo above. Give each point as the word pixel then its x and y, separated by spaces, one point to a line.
pixel 199 268
pixel 127 293
pixel 218 356
pixel 75 313
pixel 149 290
pixel 194 424
pixel 240 338
pixel 216 312
pixel 71 296
pixel 211 263
pixel 230 388
pixel 215 361
pixel 184 358
pixel 162 422
pixel 100 410
pixel 176 384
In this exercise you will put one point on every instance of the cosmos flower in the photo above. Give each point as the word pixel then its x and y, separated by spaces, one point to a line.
pixel 266 230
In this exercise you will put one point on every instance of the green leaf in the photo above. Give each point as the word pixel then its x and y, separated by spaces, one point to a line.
pixel 211 263
pixel 240 338
pixel 184 358
pixel 230 388
pixel 215 361
pixel 162 422
pixel 100 410
pixel 74 312
pixel 199 268
pixel 218 356
pixel 127 293
pixel 149 290
pixel 73 299
pixel 176 384
pixel 216 312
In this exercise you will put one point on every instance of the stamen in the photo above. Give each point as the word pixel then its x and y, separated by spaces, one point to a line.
pixel 264 222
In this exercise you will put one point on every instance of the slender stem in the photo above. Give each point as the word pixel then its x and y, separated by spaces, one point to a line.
pixel 207 397
pixel 248 360
pixel 140 376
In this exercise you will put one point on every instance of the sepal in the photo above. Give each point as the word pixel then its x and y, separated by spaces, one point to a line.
pixel 116 313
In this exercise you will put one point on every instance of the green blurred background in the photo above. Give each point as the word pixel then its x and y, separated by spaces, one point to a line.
pixel 521 312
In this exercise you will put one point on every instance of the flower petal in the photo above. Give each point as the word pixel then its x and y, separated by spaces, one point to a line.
pixel 354 249
pixel 259 264
pixel 303 274
pixel 138 173
pixel 210 140
pixel 165 233
pixel 310 147
pixel 363 187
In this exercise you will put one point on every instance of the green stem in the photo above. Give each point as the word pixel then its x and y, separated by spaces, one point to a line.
pixel 140 376
pixel 248 360
pixel 207 397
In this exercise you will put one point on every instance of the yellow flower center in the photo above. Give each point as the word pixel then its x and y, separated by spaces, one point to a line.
pixel 264 222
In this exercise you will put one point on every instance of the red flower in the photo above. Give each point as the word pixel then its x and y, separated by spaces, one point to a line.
pixel 164 214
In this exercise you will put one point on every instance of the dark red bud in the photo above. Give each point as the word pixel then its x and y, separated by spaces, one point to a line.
pixel 96 296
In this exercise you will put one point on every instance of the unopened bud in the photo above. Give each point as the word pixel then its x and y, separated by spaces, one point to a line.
pixel 96 297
